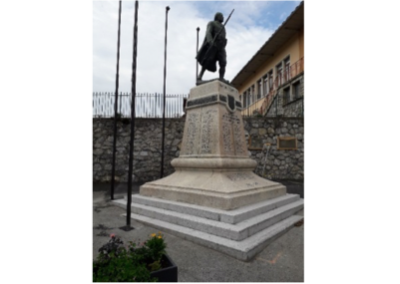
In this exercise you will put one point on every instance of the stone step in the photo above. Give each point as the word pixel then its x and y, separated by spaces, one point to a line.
pixel 243 250
pixel 231 216
pixel 239 231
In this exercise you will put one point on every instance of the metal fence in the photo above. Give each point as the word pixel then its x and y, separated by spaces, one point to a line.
pixel 146 105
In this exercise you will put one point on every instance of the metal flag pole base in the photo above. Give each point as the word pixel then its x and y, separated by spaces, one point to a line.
pixel 127 228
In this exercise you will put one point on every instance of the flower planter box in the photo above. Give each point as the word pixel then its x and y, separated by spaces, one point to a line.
pixel 167 274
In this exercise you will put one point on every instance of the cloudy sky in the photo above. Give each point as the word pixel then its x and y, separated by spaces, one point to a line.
pixel 251 24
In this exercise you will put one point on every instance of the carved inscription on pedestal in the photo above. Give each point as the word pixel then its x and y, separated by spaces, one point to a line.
pixel 191 131
pixel 240 176
pixel 208 123
pixel 246 178
pixel 227 138
pixel 238 137
pixel 233 122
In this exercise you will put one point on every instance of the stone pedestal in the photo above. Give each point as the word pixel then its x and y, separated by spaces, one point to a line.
pixel 214 198
pixel 213 169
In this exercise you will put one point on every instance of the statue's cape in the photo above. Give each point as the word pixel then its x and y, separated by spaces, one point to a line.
pixel 208 58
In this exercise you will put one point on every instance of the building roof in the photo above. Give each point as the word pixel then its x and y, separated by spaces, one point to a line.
pixel 293 24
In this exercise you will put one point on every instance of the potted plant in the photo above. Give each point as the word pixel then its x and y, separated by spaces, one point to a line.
pixel 138 262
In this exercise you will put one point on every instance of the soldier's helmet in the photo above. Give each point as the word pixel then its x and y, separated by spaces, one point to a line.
pixel 219 17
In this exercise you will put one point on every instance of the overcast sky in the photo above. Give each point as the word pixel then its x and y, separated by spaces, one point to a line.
pixel 251 24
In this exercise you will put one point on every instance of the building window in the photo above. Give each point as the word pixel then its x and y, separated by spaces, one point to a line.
pixel 279 73
pixel 265 84
pixel 246 98
pixel 286 95
pixel 286 73
pixel 252 94
pixel 271 81
pixel 259 89
pixel 296 90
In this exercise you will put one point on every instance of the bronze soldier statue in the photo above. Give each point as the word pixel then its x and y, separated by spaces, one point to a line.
pixel 213 48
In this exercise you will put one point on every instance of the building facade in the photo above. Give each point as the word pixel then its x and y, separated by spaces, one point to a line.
pixel 271 84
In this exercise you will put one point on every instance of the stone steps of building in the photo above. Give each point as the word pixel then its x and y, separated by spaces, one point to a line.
pixel 231 216
pixel 237 232
pixel 244 250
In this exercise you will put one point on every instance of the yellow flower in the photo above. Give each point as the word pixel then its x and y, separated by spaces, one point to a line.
pixel 152 235
pixel 160 237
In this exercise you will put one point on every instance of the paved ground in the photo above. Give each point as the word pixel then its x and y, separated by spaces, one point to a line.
pixel 281 261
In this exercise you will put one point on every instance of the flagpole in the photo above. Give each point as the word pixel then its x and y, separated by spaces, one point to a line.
pixel 164 95
pixel 116 106
pixel 133 91
pixel 197 51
